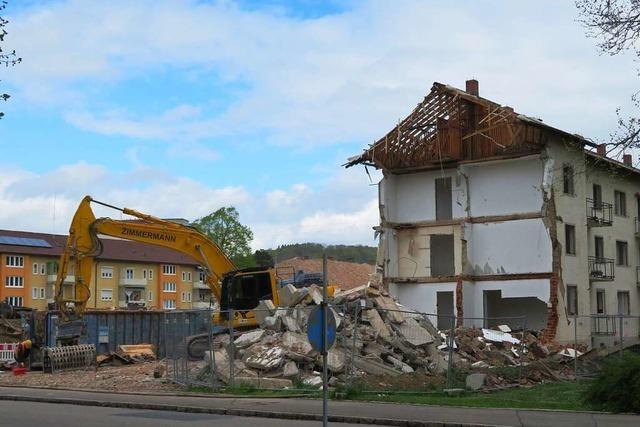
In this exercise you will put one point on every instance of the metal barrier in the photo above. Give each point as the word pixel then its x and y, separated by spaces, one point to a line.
pixel 57 359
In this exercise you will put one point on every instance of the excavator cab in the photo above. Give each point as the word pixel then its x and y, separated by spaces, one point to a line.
pixel 242 291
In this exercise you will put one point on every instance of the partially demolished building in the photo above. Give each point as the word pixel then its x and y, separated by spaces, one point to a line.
pixel 487 213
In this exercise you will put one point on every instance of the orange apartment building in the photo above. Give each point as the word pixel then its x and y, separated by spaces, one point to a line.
pixel 126 275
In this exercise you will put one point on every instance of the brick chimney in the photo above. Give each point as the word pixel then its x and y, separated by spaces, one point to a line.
pixel 473 87
pixel 602 149
pixel 627 159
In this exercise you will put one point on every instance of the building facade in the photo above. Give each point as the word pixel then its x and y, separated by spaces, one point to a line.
pixel 493 217
pixel 126 275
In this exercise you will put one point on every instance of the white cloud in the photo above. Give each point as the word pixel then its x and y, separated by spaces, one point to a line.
pixel 343 77
pixel 46 202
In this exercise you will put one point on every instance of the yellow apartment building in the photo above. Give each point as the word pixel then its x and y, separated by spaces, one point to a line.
pixel 126 274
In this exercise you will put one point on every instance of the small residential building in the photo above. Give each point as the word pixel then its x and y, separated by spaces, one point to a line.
pixel 496 217
pixel 126 274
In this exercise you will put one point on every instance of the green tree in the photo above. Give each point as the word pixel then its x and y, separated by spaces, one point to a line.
pixel 263 258
pixel 224 227
pixel 9 58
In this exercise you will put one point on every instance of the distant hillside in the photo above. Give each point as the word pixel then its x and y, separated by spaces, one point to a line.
pixel 350 253
pixel 346 275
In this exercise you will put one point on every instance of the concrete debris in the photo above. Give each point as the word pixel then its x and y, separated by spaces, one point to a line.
pixel 379 341
pixel 248 339
pixel 475 381
pixel 571 353
pixel 265 309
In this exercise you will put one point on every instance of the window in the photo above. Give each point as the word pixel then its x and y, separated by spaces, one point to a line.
pixel 186 297
pixel 36 268
pixel 14 301
pixel 43 268
pixel 106 272
pixel 620 199
pixel 128 273
pixel 169 304
pixel 622 257
pixel 144 273
pixel 599 247
pixel 169 287
pixel 106 295
pixel 620 206
pixel 597 196
pixel 14 282
pixel 570 239
pixel 150 296
pixel 15 261
pixel 42 293
pixel 623 303
pixel 150 274
pixel 169 269
pixel 600 306
pixel 567 180
pixel 35 293
pixel 572 300
pixel 202 276
pixel 443 198
pixel 186 276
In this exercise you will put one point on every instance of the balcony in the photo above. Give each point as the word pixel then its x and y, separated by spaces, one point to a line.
pixel 201 305
pixel 199 284
pixel 132 304
pixel 134 283
pixel 601 269
pixel 599 214
pixel 69 280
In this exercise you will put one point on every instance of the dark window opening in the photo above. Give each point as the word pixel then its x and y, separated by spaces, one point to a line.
pixel 443 198
pixel 244 292
pixel 622 255
pixel 599 247
pixel 442 259
pixel 567 179
pixel 570 239
pixel 600 306
pixel 572 300
pixel 597 196
pixel 620 203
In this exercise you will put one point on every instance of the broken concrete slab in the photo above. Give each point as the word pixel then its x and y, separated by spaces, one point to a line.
pixel 372 367
pixel 265 358
pixel 480 364
pixel 389 308
pixel 398 364
pixel 313 381
pixel 249 338
pixel 373 317
pixel 290 370
pixel 336 360
pixel 290 324
pixel 315 293
pixel 475 382
pixel 264 309
pixel 296 343
pixel 290 296
pixel 414 334
pixel 499 336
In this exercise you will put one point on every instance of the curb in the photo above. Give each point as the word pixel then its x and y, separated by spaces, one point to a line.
pixel 347 419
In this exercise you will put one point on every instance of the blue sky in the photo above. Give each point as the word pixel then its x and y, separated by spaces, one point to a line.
pixel 179 107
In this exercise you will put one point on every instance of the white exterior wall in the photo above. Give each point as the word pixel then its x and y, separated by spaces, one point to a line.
pixel 421 296
pixel 497 247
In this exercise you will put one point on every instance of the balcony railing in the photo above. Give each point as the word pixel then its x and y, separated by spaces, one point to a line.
pixel 601 269
pixel 602 324
pixel 599 214
pixel 138 283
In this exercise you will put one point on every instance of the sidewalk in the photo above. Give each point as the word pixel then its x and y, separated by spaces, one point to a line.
pixel 340 411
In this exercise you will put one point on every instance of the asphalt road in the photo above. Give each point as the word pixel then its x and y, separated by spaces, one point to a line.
pixel 17 414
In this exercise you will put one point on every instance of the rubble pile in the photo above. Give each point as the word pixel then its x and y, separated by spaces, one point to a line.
pixel 376 339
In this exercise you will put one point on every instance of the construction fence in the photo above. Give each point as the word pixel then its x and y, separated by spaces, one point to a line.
pixel 382 350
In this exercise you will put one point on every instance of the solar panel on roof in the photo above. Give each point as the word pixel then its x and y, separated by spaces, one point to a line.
pixel 24 241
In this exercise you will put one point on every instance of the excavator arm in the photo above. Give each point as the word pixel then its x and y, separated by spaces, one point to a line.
pixel 83 246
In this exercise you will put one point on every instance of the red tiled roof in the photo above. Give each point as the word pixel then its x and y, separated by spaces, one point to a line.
pixel 113 249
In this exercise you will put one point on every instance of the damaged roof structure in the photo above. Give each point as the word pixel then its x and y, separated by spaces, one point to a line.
pixel 487 213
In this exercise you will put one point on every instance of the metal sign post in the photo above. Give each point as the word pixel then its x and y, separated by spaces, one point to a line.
pixel 321 333
pixel 325 385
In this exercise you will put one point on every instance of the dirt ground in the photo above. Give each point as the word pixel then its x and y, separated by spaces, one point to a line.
pixel 136 377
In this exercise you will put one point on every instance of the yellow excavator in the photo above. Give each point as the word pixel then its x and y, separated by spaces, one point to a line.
pixel 237 291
